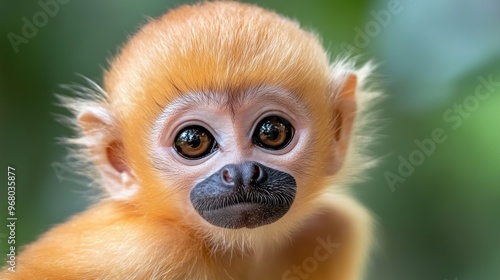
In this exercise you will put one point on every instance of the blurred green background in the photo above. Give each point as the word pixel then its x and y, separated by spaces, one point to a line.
pixel 439 66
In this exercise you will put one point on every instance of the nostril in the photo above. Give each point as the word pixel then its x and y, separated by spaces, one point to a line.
pixel 255 173
pixel 227 177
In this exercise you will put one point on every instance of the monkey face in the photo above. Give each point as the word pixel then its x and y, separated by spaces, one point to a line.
pixel 241 195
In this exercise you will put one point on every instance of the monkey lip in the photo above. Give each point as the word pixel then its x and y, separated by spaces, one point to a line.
pixel 242 199
pixel 248 209
pixel 244 214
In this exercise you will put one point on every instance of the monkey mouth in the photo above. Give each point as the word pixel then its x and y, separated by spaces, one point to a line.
pixel 245 210
pixel 242 205
pixel 238 213
pixel 246 198
pixel 249 215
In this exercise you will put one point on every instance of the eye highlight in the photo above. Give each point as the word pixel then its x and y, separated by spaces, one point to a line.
pixel 273 133
pixel 194 142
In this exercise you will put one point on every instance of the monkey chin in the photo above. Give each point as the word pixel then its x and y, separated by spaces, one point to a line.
pixel 269 237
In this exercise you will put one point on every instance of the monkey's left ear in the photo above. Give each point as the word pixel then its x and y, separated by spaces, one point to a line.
pixel 102 139
pixel 344 110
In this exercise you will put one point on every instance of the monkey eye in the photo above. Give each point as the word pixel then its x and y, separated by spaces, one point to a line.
pixel 273 133
pixel 195 142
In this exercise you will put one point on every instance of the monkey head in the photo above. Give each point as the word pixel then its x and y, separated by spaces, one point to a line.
pixel 225 118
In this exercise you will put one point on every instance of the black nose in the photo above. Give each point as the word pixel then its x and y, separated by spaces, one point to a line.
pixel 247 174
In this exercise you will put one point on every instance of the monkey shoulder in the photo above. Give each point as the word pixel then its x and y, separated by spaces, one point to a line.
pixel 104 242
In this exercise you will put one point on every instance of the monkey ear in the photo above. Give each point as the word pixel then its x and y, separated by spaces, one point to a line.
pixel 105 148
pixel 343 116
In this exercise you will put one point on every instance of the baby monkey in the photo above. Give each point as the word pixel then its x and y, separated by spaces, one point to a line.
pixel 223 138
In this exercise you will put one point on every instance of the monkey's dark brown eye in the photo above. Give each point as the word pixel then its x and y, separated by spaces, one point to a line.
pixel 273 133
pixel 194 142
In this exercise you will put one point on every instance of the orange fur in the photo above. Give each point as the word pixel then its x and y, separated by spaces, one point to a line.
pixel 144 229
